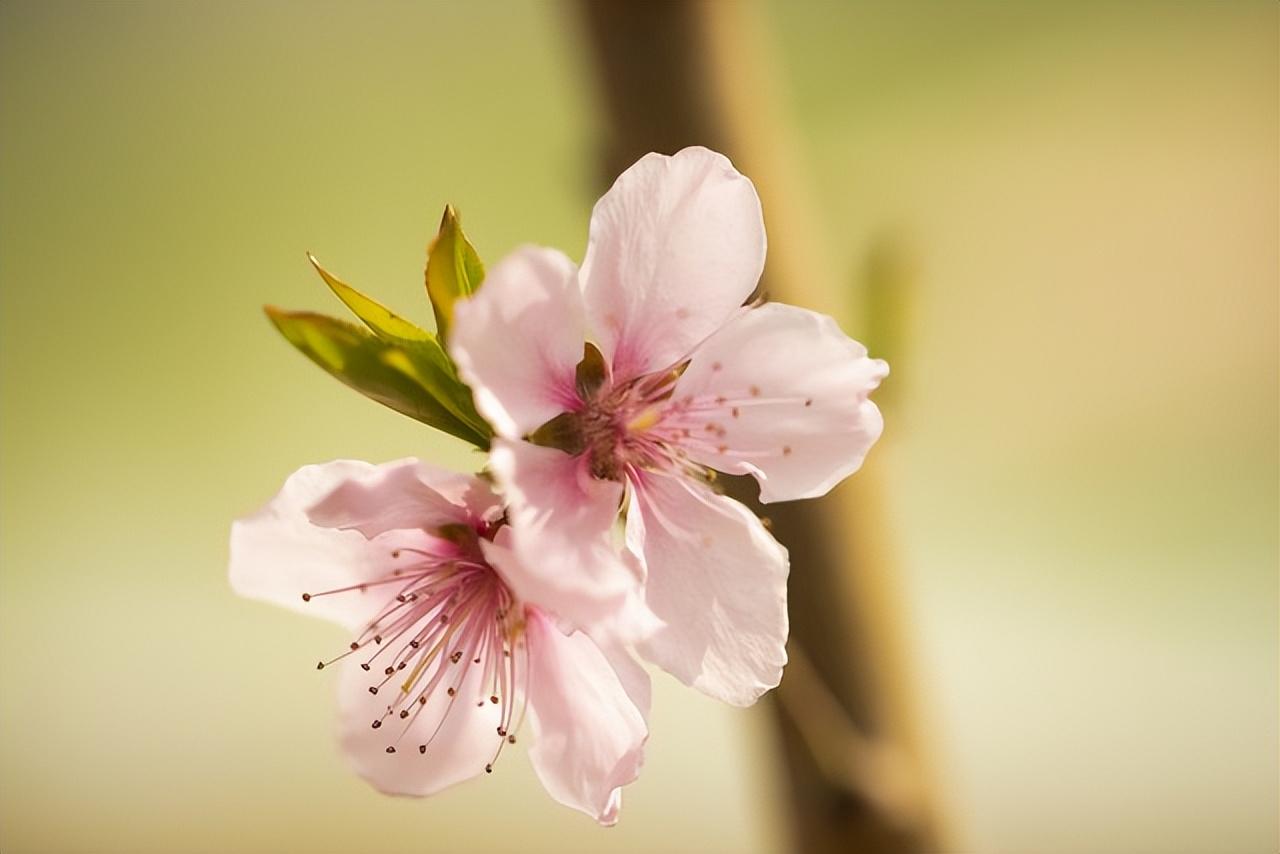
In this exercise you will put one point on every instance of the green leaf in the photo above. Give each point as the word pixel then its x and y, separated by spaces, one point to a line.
pixel 426 360
pixel 404 379
pixel 454 270
pixel 382 320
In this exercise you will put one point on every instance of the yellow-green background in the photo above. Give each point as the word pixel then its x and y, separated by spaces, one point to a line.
pixel 1081 452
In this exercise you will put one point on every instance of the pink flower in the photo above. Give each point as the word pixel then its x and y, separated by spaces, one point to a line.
pixel 448 655
pixel 683 380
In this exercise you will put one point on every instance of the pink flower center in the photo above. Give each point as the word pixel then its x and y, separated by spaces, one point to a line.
pixel 615 426
pixel 446 611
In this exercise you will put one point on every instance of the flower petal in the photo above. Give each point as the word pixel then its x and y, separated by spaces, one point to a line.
pixel 719 582
pixel 560 554
pixel 676 246
pixel 277 554
pixel 781 393
pixel 405 494
pixel 460 731
pixel 588 735
pixel 519 339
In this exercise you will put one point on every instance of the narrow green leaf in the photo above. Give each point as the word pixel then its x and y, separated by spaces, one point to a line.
pixel 382 320
pixel 425 360
pixel 381 370
pixel 454 270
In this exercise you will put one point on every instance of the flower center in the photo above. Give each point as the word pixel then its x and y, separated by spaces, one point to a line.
pixel 614 427
pixel 447 612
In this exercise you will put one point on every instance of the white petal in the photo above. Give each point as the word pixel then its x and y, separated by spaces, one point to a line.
pixel 519 339
pixel 457 749
pixel 588 735
pixel 405 494
pixel 561 548
pixel 277 554
pixel 782 393
pixel 676 246
pixel 719 582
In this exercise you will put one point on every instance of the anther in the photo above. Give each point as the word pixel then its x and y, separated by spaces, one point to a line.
pixel 404 713
pixel 377 638
pixel 373 689
pixel 511 739
pixel 493 699
pixel 488 769
pixel 452 691
pixel 388 671
pixel 456 657
pixel 320 666
pixel 476 660
pixel 422 748
pixel 364 665
pixel 376 724
pixel 414 644
pixel 355 645
pixel 306 597
pixel 390 749
pixel 501 731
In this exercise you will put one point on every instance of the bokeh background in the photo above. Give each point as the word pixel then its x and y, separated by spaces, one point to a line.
pixel 1079 471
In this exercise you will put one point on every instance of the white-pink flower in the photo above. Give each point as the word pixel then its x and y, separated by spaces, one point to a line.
pixel 448 655
pixel 685 379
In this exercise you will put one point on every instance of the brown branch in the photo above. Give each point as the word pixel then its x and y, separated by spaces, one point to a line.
pixel 681 73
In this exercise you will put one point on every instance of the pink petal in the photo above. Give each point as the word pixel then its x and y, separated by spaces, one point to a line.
pixel 561 549
pixel 457 749
pixel 676 246
pixel 781 393
pixel 277 554
pixel 588 735
pixel 719 582
pixel 405 494
pixel 519 339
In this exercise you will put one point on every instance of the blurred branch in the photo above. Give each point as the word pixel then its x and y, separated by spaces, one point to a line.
pixel 680 73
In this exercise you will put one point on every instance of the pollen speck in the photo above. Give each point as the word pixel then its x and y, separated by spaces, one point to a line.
pixel 786 450
pixel 755 391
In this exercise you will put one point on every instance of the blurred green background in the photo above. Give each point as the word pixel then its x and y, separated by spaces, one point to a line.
pixel 1081 452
